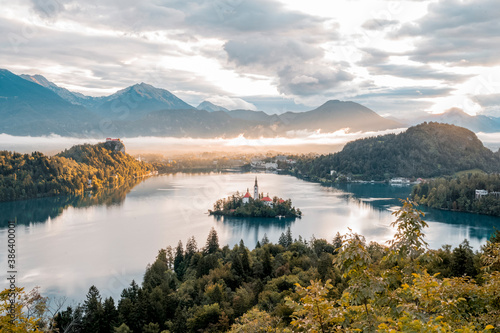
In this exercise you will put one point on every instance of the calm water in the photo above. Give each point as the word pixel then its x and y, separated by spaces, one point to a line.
pixel 67 244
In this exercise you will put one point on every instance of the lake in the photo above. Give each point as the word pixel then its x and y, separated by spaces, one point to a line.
pixel 67 244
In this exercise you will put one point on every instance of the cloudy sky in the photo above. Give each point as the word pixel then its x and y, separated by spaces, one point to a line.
pixel 397 57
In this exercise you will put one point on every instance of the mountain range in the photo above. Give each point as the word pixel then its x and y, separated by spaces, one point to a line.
pixel 32 105
pixel 28 108
pixel 458 117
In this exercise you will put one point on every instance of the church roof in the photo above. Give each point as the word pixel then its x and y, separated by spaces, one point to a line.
pixel 267 199
pixel 247 195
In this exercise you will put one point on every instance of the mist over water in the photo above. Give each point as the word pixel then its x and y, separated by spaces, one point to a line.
pixel 294 142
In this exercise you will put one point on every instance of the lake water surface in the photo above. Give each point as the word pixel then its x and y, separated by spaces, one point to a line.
pixel 67 244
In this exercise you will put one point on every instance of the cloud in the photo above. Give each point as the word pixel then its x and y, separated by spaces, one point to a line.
pixel 297 140
pixel 297 62
pixel 458 33
pixel 98 47
pixel 277 104
pixel 490 140
pixel 408 92
pixel 379 62
pixel 490 104
pixel 400 102
pixel 423 72
pixel 231 103
pixel 378 24
pixel 113 43
pixel 48 9
pixel 311 80
pixel 304 79
pixel 230 17
pixel 267 53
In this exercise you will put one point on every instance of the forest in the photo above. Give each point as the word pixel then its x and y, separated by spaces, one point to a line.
pixel 80 168
pixel 426 150
pixel 234 206
pixel 340 285
pixel 459 193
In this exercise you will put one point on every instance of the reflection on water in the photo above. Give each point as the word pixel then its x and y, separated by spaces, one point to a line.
pixel 67 244
pixel 445 227
pixel 40 210
pixel 252 229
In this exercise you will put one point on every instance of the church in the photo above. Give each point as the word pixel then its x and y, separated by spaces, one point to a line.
pixel 267 200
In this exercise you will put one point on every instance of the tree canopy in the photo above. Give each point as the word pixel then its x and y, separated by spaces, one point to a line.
pixel 82 167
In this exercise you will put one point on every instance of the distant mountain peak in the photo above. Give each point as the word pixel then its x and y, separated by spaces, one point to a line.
pixel 40 79
pixel 145 86
pixel 344 107
pixel 457 112
pixel 333 101
pixel 457 116
pixel 140 99
pixel 72 97
pixel 210 107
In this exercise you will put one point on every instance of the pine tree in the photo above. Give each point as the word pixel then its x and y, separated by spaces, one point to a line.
pixel 264 240
pixel 266 263
pixel 179 260
pixel 462 260
pixel 289 239
pixel 282 240
pixel 110 315
pixel 191 247
pixel 337 242
pixel 212 245
pixel 128 307
pixel 170 257
pixel 93 312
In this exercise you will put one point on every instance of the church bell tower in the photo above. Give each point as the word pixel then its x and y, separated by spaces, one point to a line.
pixel 256 190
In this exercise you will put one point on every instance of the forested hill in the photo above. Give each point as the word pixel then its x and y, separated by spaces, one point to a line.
pixel 83 167
pixel 459 193
pixel 425 150
pixel 344 285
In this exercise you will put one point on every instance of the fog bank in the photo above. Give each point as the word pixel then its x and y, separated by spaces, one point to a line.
pixel 295 142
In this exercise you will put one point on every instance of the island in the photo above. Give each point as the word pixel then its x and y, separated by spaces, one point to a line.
pixel 239 205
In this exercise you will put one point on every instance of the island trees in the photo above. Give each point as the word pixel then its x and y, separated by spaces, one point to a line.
pixel 234 206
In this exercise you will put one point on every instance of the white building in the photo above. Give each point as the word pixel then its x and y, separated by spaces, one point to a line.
pixel 267 200
pixel 481 193
pixel 246 198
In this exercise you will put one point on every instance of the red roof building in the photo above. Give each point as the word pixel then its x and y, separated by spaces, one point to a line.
pixel 268 201
pixel 246 198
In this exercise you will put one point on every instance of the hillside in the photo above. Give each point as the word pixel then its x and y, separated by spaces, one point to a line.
pixel 82 167
pixel 70 96
pixel 184 123
pixel 340 285
pixel 129 103
pixel 27 108
pixel 138 101
pixel 425 150
pixel 459 193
